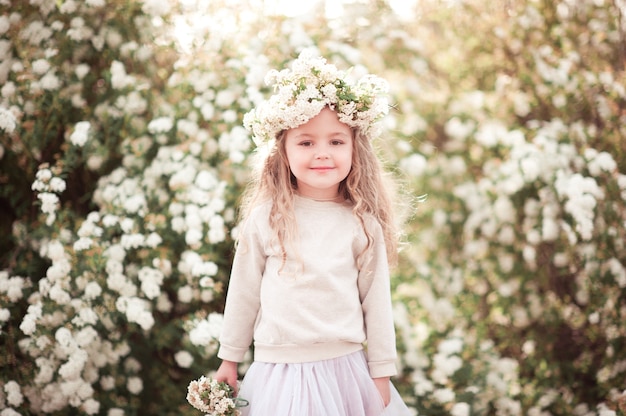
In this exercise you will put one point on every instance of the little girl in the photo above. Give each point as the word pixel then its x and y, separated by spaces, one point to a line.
pixel 310 278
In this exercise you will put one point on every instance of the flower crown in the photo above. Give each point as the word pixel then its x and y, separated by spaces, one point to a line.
pixel 300 93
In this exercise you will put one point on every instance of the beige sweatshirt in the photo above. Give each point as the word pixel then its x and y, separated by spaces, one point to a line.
pixel 321 305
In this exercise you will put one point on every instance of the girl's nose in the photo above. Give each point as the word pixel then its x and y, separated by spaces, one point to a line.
pixel 322 154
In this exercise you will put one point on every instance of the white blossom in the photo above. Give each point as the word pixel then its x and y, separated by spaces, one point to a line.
pixel 5 24
pixel 81 70
pixel 422 386
pixel 193 237
pixel 156 7
pixel 107 382
pixel 443 395
pixel 134 385
pixel 40 66
pixel 207 268
pixel 12 286
pixel 7 120
pixel 50 82
pixel 415 165
pixel 136 310
pixel 68 7
pixel 618 271
pixel 92 290
pixel 130 241
pixel 13 392
pixel 458 129
pixel 451 346
pixel 8 89
pixel 81 133
pixel 460 409
pixel 206 332
pixel 46 370
pixel 5 314
pixel 57 184
pixel 599 162
pixel 91 406
pixel 73 367
pixel 119 78
pixel 83 243
pixel 160 125
pixel 153 240
pixel 85 317
pixel 59 295
pixel 217 231
pixel 151 281
pixel 445 366
pixel 135 203
pixel 185 294
pixel 184 359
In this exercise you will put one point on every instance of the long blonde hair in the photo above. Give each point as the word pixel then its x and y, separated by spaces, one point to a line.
pixel 367 187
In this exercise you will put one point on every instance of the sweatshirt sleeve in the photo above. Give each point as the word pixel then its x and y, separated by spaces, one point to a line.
pixel 375 294
pixel 243 297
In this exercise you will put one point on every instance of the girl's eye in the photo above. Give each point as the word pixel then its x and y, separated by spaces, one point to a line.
pixel 336 142
pixel 306 144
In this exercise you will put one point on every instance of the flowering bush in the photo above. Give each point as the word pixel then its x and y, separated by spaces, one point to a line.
pixel 520 260
pixel 135 165
pixel 122 155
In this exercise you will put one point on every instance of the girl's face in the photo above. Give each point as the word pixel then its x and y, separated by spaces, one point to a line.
pixel 319 153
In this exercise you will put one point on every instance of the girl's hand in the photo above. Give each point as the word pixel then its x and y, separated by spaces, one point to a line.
pixel 228 373
pixel 382 384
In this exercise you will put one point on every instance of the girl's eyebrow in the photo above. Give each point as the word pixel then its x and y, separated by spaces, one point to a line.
pixel 340 133
pixel 310 135
pixel 303 135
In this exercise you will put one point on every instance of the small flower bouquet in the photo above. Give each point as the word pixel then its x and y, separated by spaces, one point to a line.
pixel 214 398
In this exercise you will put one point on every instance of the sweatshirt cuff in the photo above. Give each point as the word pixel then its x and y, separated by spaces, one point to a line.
pixel 229 353
pixel 382 368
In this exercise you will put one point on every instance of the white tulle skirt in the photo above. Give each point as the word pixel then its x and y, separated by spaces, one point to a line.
pixel 337 387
